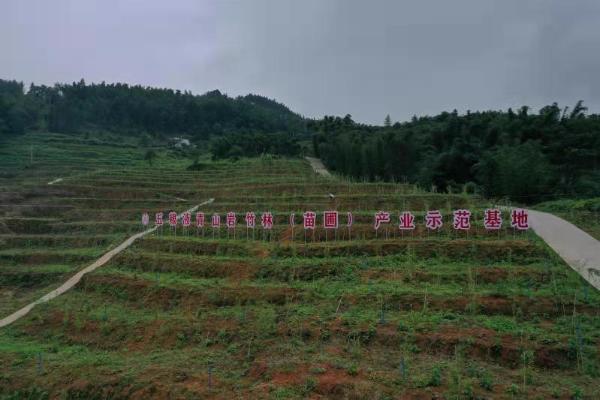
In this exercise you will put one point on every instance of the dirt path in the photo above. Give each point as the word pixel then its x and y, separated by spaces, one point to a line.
pixel 55 181
pixel 577 248
pixel 77 277
pixel 318 166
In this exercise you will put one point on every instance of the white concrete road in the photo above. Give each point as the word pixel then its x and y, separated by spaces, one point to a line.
pixel 580 250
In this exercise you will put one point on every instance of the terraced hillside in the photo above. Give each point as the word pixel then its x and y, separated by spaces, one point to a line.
pixel 215 314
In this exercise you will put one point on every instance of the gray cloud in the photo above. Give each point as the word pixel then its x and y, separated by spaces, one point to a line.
pixel 319 57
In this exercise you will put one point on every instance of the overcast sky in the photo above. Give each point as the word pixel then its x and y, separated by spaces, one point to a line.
pixel 320 57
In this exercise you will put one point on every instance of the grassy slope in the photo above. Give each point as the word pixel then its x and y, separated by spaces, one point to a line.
pixel 495 316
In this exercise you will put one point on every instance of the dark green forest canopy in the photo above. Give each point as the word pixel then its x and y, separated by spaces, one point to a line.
pixel 121 108
pixel 525 156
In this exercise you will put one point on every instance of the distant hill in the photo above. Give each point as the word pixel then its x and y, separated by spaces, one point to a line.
pixel 122 108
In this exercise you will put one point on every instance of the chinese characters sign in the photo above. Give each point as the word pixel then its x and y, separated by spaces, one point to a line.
pixel 461 220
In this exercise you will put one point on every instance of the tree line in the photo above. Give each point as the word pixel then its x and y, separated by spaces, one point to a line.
pixel 527 156
pixel 125 109
pixel 255 144
pixel 522 155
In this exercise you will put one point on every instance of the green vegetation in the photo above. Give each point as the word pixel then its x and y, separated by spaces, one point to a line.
pixel 445 315
pixel 136 110
pixel 526 157
pixel 523 156
pixel 254 145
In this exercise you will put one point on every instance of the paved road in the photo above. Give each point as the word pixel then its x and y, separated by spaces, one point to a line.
pixel 77 277
pixel 580 250
pixel 318 166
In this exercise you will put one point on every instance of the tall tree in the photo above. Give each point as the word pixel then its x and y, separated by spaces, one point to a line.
pixel 551 152
pixel 387 122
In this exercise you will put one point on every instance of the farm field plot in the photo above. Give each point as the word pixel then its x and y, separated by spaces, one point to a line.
pixel 217 314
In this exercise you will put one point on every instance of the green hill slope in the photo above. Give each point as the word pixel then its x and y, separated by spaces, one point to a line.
pixel 201 314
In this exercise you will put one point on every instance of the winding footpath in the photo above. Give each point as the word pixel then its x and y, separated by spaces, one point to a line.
pixel 318 167
pixel 57 180
pixel 77 277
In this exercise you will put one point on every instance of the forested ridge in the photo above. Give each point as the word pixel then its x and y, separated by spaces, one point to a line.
pixel 521 155
pixel 121 108
pixel 524 155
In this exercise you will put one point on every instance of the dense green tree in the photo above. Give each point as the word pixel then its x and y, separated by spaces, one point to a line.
pixel 237 145
pixel 13 114
pixel 555 151
pixel 136 110
pixel 150 156
pixel 521 172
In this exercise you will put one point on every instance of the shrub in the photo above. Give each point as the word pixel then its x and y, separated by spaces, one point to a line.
pixel 470 188
pixel 309 385
pixel 29 394
pixel 196 166
pixel 513 389
pixel 577 394
pixel 486 381
pixel 352 370
pixel 436 377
